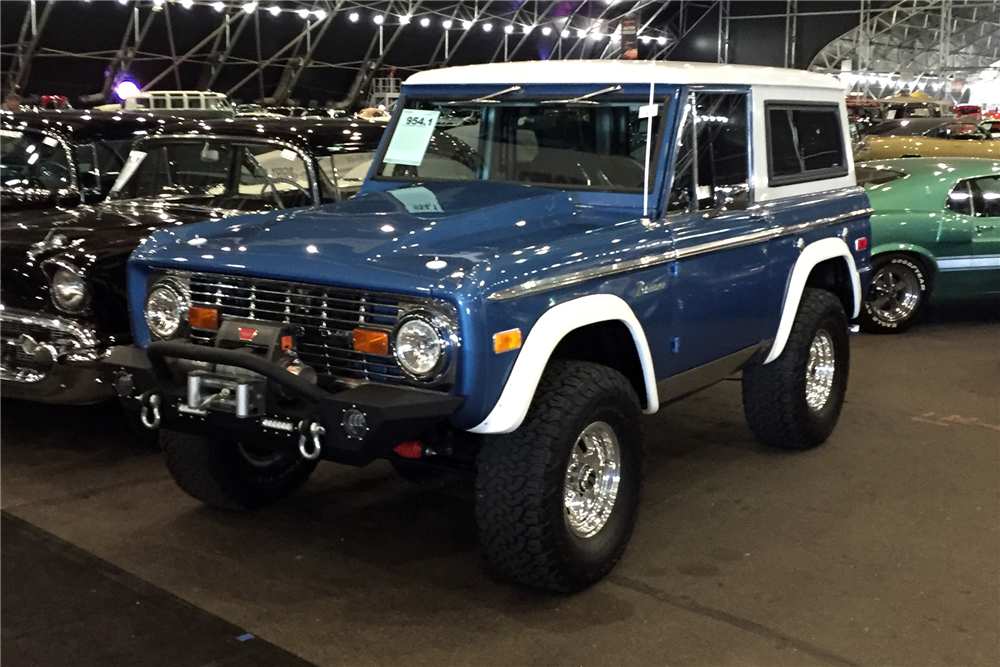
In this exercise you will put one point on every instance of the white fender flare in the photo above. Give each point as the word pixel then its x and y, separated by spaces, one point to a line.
pixel 812 254
pixel 545 335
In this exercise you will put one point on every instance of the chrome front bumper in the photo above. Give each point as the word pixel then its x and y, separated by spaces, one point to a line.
pixel 70 374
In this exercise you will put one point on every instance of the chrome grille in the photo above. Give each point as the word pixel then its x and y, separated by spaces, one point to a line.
pixel 322 319
pixel 10 333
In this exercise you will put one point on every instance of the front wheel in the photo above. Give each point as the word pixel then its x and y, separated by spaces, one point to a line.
pixel 795 401
pixel 230 475
pixel 898 293
pixel 556 499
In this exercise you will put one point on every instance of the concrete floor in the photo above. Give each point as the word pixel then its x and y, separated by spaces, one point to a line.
pixel 880 548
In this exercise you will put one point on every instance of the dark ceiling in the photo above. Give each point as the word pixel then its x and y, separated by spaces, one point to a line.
pixel 81 37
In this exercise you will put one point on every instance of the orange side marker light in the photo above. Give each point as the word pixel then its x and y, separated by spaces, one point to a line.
pixel 505 341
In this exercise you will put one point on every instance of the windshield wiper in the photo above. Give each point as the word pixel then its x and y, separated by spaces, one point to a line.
pixel 584 98
pixel 488 98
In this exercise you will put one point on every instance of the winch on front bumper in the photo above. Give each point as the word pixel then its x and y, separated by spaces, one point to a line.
pixel 258 394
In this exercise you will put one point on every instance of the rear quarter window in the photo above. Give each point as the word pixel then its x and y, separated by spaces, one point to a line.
pixel 804 143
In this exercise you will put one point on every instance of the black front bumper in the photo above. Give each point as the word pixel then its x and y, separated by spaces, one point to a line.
pixel 391 414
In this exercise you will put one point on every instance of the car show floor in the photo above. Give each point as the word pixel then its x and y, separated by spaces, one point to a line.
pixel 881 547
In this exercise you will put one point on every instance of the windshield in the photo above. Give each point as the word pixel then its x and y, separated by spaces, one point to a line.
pixel 577 144
pixel 33 160
pixel 216 173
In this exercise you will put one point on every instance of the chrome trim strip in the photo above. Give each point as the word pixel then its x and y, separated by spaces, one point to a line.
pixel 577 277
pixel 700 377
pixel 84 336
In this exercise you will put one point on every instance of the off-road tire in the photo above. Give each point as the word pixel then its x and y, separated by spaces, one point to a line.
pixel 521 481
pixel 774 394
pixel 217 473
pixel 911 269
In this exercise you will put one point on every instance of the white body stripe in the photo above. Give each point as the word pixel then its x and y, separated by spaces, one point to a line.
pixel 549 330
pixel 969 263
pixel 811 255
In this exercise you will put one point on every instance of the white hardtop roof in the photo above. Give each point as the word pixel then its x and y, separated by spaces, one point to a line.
pixel 624 72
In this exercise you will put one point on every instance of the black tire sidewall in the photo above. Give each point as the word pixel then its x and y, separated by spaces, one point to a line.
pixel 587 557
pixel 869 320
pixel 820 423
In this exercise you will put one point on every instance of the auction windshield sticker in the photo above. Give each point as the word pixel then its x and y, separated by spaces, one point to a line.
pixel 412 137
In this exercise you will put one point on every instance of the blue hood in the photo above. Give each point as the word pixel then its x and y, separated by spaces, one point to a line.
pixel 418 239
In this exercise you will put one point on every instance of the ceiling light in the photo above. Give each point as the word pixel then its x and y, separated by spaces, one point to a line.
pixel 219 6
pixel 546 31
pixel 447 24
pixel 646 39
pixel 187 4
pixel 597 35
pixel 274 9
pixel 581 33
pixel 661 40
pixel 487 27
pixel 379 19
pixel 403 20
pixel 353 17
pixel 320 14
pixel 564 34
pixel 249 7
pixel 508 29
pixel 303 13
pixel 424 22
pixel 528 29
pixel 466 25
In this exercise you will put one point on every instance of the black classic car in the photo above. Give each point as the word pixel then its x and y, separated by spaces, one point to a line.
pixel 52 159
pixel 62 274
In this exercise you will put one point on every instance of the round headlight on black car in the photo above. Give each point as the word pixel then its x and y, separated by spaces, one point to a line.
pixel 166 309
pixel 69 290
pixel 422 344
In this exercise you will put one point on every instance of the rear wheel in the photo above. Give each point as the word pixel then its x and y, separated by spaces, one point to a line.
pixel 230 475
pixel 556 499
pixel 898 293
pixel 794 402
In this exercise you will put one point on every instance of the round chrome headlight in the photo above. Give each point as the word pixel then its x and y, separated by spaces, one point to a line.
pixel 421 346
pixel 165 310
pixel 69 290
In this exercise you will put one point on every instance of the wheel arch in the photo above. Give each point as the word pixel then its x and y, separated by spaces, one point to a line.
pixel 926 257
pixel 561 332
pixel 824 263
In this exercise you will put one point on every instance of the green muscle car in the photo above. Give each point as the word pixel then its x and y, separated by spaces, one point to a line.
pixel 935 229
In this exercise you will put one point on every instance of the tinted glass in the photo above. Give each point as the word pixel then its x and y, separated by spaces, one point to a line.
pixel 985 196
pixel 805 143
pixel 959 200
pixel 33 160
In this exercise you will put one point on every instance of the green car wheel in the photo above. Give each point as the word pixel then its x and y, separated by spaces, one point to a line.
pixel 898 293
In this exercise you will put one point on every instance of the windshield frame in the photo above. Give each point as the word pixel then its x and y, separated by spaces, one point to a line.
pixel 666 97
pixel 157 141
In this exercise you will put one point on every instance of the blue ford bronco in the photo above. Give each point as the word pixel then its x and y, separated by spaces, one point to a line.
pixel 585 243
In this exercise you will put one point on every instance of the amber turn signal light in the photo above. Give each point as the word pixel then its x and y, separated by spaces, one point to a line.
pixel 372 342
pixel 203 318
pixel 506 340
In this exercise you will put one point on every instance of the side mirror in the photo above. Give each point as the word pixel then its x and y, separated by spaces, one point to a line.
pixel 731 198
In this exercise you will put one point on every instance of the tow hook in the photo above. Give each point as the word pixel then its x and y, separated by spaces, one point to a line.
pixel 310 434
pixel 149 414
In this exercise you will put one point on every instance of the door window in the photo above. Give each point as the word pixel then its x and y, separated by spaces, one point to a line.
pixel 712 153
pixel 804 142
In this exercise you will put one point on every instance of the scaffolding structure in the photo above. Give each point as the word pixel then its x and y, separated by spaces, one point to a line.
pixel 927 40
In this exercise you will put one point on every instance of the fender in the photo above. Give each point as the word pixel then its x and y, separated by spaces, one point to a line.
pixel 811 255
pixel 545 335
pixel 911 248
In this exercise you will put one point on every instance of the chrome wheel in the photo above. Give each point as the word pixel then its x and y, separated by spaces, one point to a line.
pixel 894 294
pixel 592 479
pixel 820 370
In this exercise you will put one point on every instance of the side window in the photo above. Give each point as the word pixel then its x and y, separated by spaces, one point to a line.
pixel 805 143
pixel 959 200
pixel 712 155
pixel 159 103
pixel 273 172
pixel 985 196
pixel 194 102
pixel 142 102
